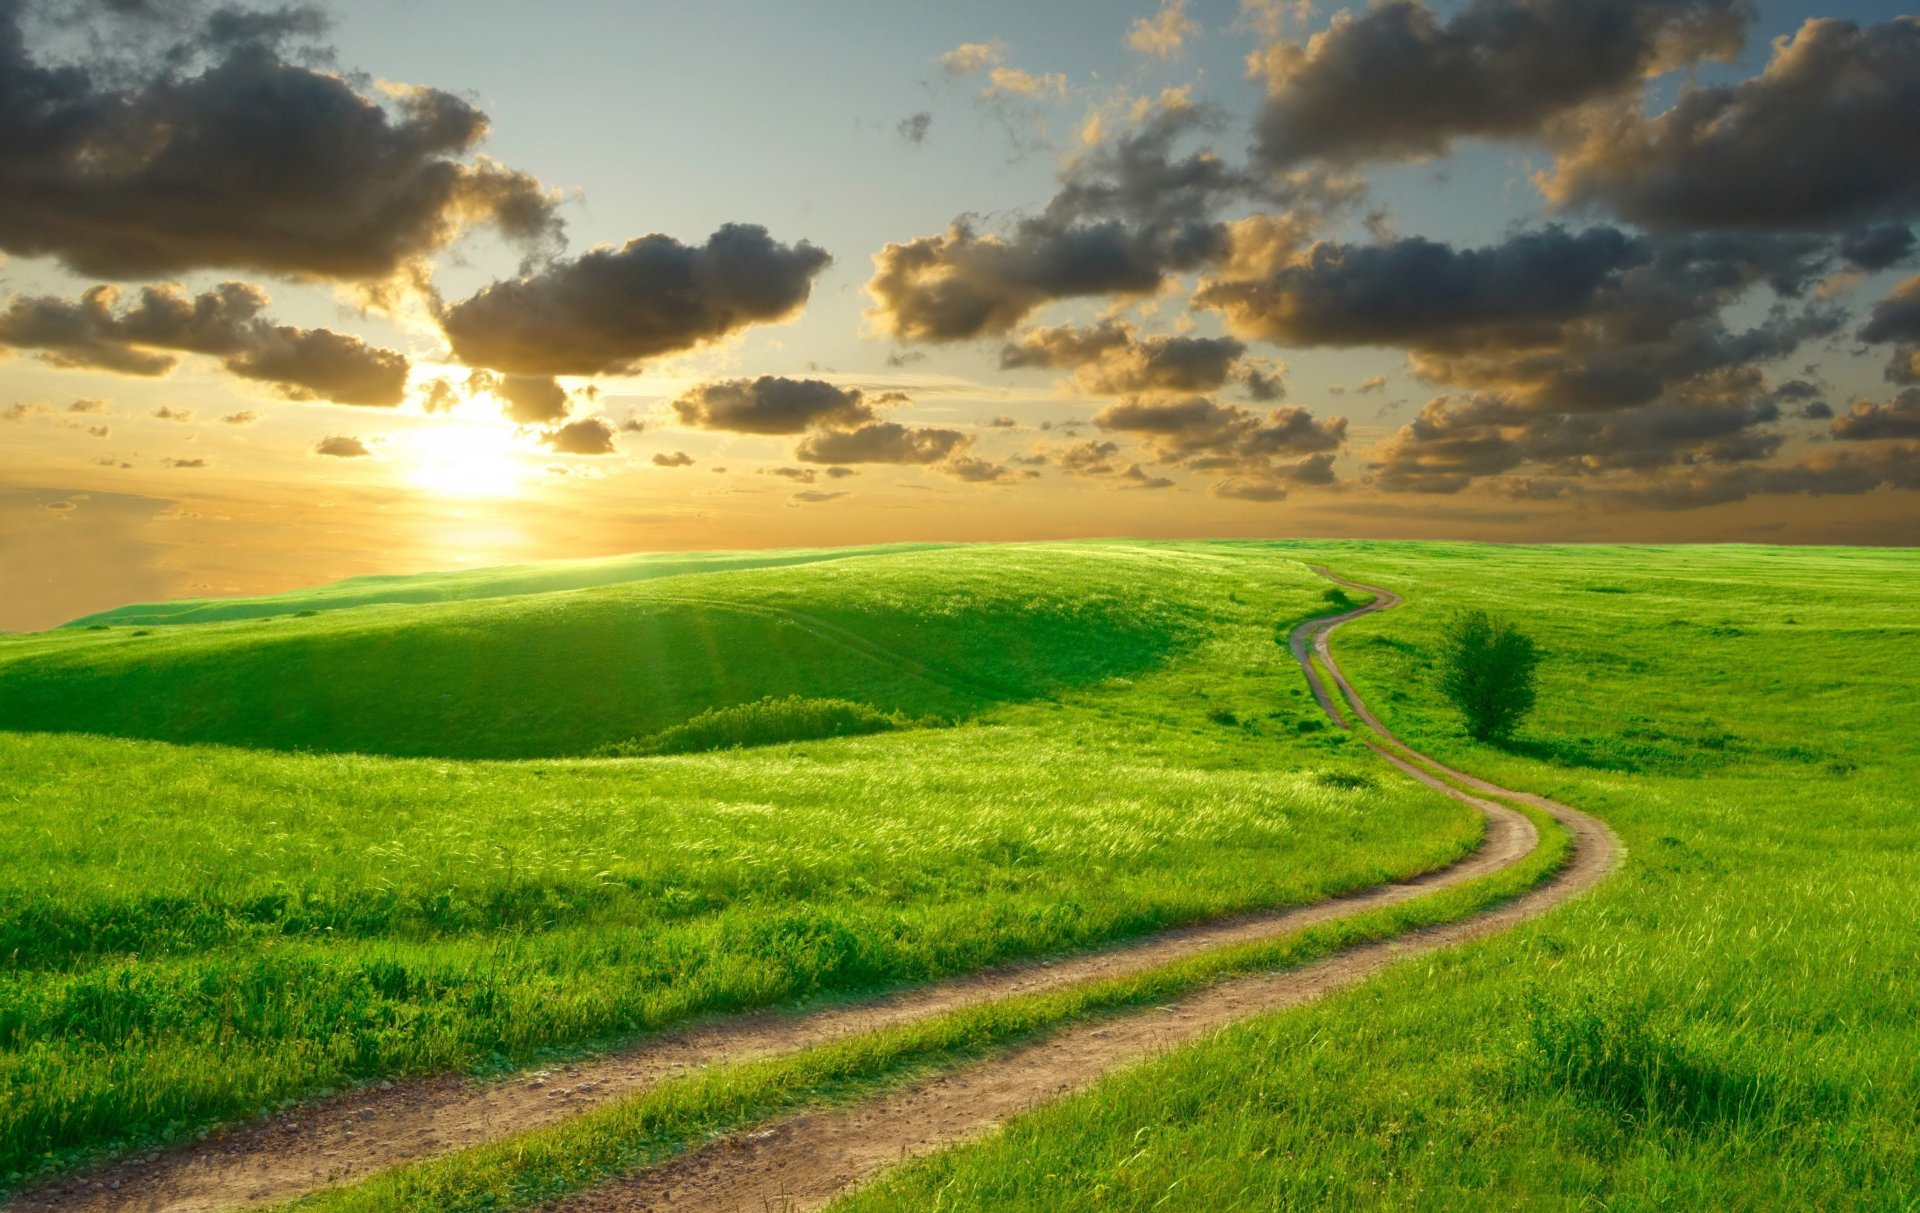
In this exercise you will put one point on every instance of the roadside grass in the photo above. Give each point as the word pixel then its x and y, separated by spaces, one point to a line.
pixel 1730 1022
pixel 196 934
pixel 601 1145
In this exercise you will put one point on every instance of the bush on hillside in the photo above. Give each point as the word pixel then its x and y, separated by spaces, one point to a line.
pixel 768 721
pixel 1489 671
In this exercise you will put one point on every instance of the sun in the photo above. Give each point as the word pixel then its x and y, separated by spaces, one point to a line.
pixel 466 459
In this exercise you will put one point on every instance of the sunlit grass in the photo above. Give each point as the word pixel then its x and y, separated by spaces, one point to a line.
pixel 197 933
pixel 1732 1021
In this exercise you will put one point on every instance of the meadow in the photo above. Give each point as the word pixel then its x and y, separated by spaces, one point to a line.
pixel 212 909
pixel 1732 1021
pixel 256 859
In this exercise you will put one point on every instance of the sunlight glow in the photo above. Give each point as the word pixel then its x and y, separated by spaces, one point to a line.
pixel 467 459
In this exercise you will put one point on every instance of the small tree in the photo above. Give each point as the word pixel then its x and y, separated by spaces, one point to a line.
pixel 1488 671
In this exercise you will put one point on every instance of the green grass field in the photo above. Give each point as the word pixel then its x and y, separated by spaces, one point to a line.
pixel 199 931
pixel 270 854
pixel 1731 1022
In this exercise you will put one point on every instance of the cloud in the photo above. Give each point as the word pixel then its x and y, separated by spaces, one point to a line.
pixel 1203 433
pixel 1879 247
pixel 973 470
pixel 588 436
pixel 606 311
pixel 88 405
pixel 320 364
pixel 341 446
pixel 1552 320
pixel 881 442
pixel 1896 319
pixel 1137 477
pixel 146 336
pixel 1821 139
pixel 1111 358
pixel 1458 439
pixel 773 405
pixel 167 412
pixel 1016 82
pixel 1397 82
pixel 1372 383
pixel 185 463
pixel 677 459
pixel 1898 418
pixel 243 417
pixel 971 57
pixel 529 400
pixel 217 153
pixel 914 127
pixel 1163 34
pixel 1000 423
pixel 1128 213
pixel 1828 473
pixel 814 496
pixel 1419 290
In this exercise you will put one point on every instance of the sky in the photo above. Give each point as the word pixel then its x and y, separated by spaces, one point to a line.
pixel 291 293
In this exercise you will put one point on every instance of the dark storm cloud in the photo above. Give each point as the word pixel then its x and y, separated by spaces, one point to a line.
pixel 1898 418
pixel 342 447
pixel 1824 138
pixel 1896 319
pixel 1398 81
pixel 608 310
pixel 881 442
pixel 773 405
pixel 1127 215
pixel 1877 248
pixel 216 152
pixel 1112 359
pixel 588 436
pixel 147 336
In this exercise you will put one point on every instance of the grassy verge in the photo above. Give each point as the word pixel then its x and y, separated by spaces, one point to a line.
pixel 528 1170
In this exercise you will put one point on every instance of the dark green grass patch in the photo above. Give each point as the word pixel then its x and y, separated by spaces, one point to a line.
pixel 763 722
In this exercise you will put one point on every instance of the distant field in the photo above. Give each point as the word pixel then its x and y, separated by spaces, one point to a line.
pixel 1731 1022
pixel 202 921
pixel 465 585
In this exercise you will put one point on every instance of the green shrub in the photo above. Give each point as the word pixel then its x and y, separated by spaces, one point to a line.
pixel 768 721
pixel 1488 671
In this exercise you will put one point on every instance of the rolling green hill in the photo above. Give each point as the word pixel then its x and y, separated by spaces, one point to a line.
pixel 464 585
pixel 924 633
pixel 196 932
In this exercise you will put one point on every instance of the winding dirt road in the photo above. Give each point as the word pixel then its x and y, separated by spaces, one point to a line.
pixel 804 1161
